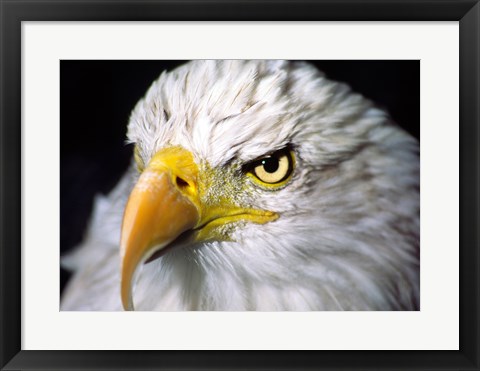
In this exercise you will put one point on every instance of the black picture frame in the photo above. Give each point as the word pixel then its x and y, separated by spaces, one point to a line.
pixel 13 12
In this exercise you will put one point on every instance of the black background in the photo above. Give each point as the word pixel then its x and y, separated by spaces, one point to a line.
pixel 96 98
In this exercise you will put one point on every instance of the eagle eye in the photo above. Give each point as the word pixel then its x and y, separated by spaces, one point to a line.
pixel 273 169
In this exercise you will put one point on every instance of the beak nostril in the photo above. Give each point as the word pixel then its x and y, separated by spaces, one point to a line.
pixel 181 183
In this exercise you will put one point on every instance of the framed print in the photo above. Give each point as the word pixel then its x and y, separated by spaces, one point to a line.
pixel 65 69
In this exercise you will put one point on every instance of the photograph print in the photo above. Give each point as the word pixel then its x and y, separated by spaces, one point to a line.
pixel 240 185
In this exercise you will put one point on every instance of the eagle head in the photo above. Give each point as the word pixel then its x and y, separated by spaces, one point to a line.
pixel 262 185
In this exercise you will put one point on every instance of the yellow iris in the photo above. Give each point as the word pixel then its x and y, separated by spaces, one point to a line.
pixel 274 170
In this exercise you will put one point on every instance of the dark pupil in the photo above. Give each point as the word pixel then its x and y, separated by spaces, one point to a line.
pixel 270 164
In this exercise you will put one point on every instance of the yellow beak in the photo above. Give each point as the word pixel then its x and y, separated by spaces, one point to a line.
pixel 162 205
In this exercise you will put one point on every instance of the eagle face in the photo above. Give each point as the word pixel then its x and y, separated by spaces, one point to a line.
pixel 262 185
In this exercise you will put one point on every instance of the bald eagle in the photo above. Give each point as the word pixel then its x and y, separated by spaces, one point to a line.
pixel 255 185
